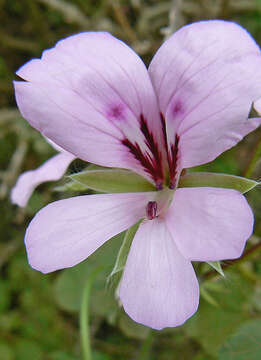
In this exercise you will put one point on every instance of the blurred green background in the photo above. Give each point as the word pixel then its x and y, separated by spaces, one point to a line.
pixel 39 313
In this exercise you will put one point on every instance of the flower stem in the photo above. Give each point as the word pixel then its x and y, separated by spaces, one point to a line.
pixel 146 347
pixel 256 156
pixel 84 317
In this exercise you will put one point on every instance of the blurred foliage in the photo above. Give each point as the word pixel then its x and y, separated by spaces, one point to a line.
pixel 245 343
pixel 39 313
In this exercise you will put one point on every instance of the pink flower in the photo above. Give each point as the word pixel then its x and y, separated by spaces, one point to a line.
pixel 93 96
pixel 52 170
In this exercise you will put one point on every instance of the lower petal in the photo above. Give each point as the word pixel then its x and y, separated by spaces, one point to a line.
pixel 66 232
pixel 209 224
pixel 52 170
pixel 159 287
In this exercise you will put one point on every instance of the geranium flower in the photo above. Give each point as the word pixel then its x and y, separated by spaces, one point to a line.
pixel 93 96
pixel 52 170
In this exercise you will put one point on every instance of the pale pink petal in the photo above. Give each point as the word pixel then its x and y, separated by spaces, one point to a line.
pixel 159 287
pixel 66 232
pixel 52 170
pixel 78 137
pixel 87 95
pixel 207 75
pixel 209 224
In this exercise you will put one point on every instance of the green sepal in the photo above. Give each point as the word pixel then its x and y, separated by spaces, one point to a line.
pixel 217 266
pixel 113 181
pixel 123 253
pixel 71 186
pixel 207 179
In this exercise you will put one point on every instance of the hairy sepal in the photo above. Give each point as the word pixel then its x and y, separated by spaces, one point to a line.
pixel 113 181
pixel 116 273
pixel 206 179
pixel 217 266
pixel 71 186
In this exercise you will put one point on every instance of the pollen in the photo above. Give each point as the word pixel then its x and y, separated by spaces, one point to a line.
pixel 151 210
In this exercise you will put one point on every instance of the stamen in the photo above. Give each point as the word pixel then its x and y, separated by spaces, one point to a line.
pixel 173 165
pixel 151 210
pixel 151 160
pixel 159 185
pixel 172 153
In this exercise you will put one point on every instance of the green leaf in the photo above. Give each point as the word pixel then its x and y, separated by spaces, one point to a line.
pixel 209 287
pixel 113 181
pixel 69 284
pixel 97 355
pixel 123 252
pixel 205 179
pixel 244 344
pixel 208 297
pixel 132 329
pixel 61 355
pixel 6 351
pixel 210 326
pixel 27 349
pixel 216 265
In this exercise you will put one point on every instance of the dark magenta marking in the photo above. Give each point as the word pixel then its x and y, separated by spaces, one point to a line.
pixel 164 130
pixel 151 210
pixel 177 108
pixel 172 154
pixel 116 112
pixel 152 163
pixel 173 163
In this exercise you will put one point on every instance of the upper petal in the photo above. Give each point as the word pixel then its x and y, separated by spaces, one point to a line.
pixel 52 170
pixel 159 287
pixel 66 232
pixel 88 94
pixel 207 76
pixel 209 224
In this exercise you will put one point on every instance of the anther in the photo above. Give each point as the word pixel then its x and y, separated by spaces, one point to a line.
pixel 159 185
pixel 172 185
pixel 151 210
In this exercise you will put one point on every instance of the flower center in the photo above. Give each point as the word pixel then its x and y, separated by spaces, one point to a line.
pixel 160 204
pixel 172 154
pixel 155 160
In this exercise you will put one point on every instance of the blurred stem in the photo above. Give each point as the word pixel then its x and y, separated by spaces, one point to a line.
pixel 252 164
pixel 8 41
pixel 84 316
pixel 13 169
pixel 146 347
pixel 122 20
pixel 224 9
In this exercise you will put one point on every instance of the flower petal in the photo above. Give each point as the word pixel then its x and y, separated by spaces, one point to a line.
pixel 52 170
pixel 209 224
pixel 55 146
pixel 88 95
pixel 207 76
pixel 66 232
pixel 159 287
